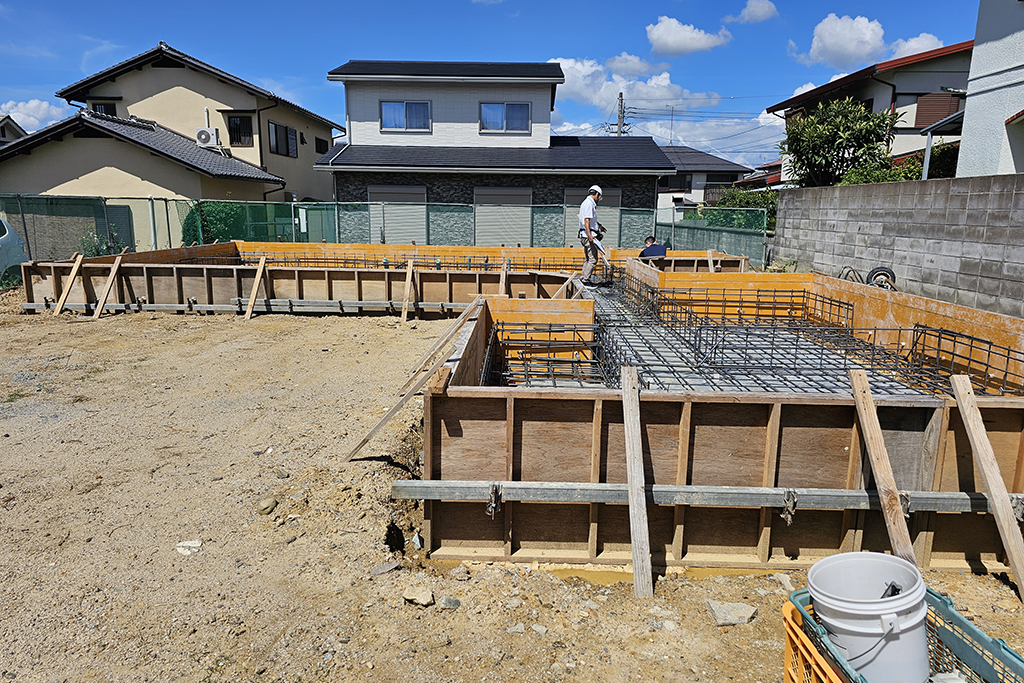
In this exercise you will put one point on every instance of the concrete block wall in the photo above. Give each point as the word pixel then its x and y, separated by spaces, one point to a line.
pixel 957 239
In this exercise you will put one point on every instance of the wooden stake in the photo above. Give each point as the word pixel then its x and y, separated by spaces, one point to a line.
pixel 639 533
pixel 71 282
pixel 398 406
pixel 111 279
pixel 895 522
pixel 564 285
pixel 985 459
pixel 711 261
pixel 503 281
pixel 255 287
pixel 408 291
pixel 442 340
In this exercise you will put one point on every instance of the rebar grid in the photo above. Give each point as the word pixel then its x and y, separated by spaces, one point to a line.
pixel 399 261
pixel 543 355
pixel 760 306
pixel 801 352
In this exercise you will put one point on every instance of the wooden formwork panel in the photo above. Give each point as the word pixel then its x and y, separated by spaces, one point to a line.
pixel 763 440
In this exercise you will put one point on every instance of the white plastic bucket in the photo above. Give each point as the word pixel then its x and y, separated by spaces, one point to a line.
pixel 884 639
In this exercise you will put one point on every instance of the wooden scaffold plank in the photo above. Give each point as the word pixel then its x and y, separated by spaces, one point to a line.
pixel 408 291
pixel 892 511
pixel 111 279
pixel 255 287
pixel 639 532
pixel 985 459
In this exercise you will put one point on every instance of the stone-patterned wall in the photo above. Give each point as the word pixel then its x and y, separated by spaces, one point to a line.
pixel 959 240
pixel 638 192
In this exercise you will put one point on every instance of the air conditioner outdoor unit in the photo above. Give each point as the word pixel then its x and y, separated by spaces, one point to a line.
pixel 207 137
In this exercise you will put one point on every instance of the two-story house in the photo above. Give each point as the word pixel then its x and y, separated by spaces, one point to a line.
pixel 925 88
pixel 467 147
pixel 700 178
pixel 166 124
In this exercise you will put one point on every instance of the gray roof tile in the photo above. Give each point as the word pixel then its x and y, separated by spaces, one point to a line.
pixel 688 159
pixel 153 137
pixel 565 154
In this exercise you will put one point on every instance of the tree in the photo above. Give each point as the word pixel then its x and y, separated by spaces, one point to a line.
pixel 827 142
pixel 766 199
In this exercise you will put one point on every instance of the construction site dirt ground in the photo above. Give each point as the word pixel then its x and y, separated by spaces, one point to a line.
pixel 125 437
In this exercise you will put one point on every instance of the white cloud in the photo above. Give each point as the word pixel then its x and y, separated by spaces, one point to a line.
pixel 804 88
pixel 836 77
pixel 90 58
pixel 755 11
pixel 34 114
pixel 921 43
pixel 588 82
pixel 280 89
pixel 843 42
pixel 630 65
pixel 669 37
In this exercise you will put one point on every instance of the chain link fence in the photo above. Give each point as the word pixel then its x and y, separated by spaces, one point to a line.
pixel 55 227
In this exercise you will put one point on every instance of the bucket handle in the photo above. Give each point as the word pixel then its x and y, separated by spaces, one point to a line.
pixel 890 622
pixel 894 625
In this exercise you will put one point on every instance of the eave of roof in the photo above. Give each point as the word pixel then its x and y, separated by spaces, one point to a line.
pixel 870 71
pixel 76 91
pixel 109 126
pixel 7 119
pixel 1016 118
pixel 477 72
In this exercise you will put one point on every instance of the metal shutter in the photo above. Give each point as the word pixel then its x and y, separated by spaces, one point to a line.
pixel 503 215
pixel 401 215
pixel 935 107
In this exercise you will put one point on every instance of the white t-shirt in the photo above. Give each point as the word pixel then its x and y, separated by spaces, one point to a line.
pixel 588 209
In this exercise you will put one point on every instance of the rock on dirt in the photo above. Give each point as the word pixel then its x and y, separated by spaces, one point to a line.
pixel 731 613
pixel 419 595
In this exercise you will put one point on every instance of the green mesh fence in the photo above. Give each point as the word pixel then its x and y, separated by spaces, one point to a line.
pixel 740 232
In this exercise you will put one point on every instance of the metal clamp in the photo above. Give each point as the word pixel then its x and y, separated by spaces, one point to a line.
pixel 905 503
pixel 788 506
pixel 493 501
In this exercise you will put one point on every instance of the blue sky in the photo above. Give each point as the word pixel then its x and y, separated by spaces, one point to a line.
pixel 700 72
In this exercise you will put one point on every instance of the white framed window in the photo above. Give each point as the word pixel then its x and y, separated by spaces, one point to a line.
pixel 504 117
pixel 405 116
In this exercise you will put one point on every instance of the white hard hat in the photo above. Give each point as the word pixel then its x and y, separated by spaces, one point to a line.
pixel 595 188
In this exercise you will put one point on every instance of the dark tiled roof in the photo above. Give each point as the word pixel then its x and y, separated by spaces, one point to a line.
pixel 542 70
pixel 77 91
pixel 607 154
pixel 688 159
pixel 152 137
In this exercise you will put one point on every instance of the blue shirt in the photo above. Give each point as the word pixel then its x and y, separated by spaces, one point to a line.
pixel 654 250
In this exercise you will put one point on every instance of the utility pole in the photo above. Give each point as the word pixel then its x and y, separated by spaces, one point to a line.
pixel 671 122
pixel 622 116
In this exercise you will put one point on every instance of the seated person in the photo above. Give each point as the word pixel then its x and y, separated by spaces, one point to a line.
pixel 652 249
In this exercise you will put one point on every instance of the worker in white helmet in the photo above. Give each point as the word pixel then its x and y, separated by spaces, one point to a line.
pixel 590 232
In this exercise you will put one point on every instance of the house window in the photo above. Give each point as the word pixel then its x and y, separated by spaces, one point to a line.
pixel 414 116
pixel 675 183
pixel 321 145
pixel 505 117
pixel 719 178
pixel 240 130
pixel 108 108
pixel 283 140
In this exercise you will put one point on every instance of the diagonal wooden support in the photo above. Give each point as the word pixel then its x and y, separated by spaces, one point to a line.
pixel 503 280
pixel 448 335
pixel 255 287
pixel 888 494
pixel 408 291
pixel 106 289
pixel 985 459
pixel 71 283
pixel 639 532
pixel 565 285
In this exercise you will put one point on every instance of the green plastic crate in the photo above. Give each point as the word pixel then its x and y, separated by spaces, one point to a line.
pixel 954 644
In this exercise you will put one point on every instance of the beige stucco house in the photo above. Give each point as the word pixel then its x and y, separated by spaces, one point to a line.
pixel 184 94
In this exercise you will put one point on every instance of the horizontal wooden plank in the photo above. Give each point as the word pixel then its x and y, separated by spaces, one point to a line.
pixel 700 496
